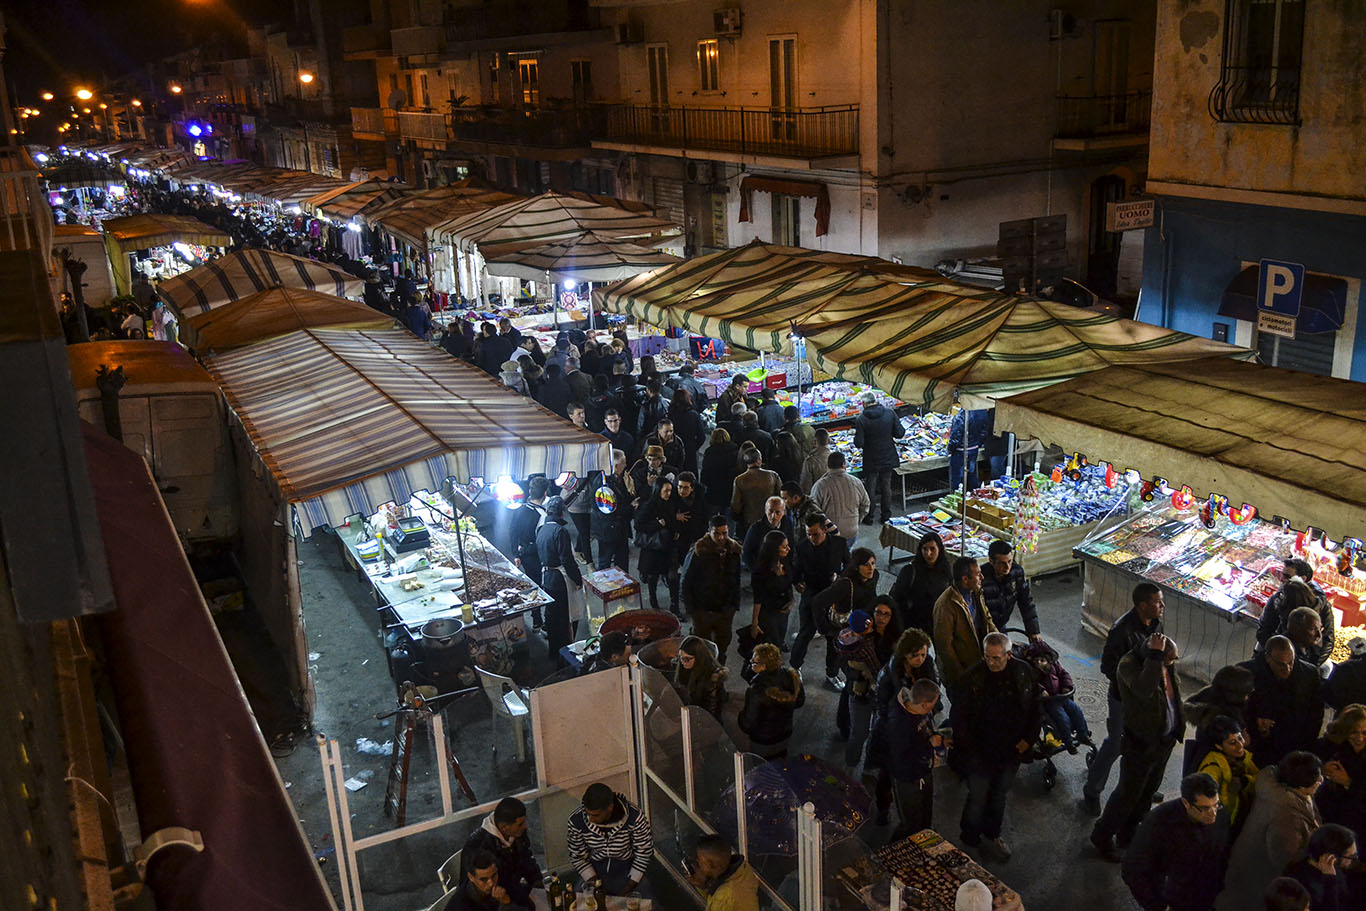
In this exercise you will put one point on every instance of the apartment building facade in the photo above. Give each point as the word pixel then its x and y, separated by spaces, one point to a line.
pixel 1258 147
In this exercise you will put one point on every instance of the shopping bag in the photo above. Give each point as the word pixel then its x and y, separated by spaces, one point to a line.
pixel 577 597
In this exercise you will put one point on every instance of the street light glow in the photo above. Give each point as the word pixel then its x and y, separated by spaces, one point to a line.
pixel 305 77
pixel 175 90
pixel 136 103
pixel 103 106
pixel 48 96
pixel 84 94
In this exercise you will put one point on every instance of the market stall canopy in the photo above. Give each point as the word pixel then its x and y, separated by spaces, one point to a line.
pixel 551 216
pixel 753 296
pixel 345 203
pixel 586 257
pixel 951 341
pixel 347 420
pixel 293 187
pixel 410 218
pixel 1289 443
pixel 246 272
pixel 139 232
pixel 273 313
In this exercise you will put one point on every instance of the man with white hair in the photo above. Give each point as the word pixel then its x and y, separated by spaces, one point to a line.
pixel 994 726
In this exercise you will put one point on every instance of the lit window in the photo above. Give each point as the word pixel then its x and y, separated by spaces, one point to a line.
pixel 708 65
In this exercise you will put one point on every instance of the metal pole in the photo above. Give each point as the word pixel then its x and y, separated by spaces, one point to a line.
pixel 741 821
pixel 689 790
pixel 963 500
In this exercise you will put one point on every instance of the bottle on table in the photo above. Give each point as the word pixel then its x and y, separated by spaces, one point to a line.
pixel 570 899
pixel 553 895
pixel 599 895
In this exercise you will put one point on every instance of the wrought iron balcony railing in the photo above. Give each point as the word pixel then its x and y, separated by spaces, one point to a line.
pixel 1257 95
pixel 784 132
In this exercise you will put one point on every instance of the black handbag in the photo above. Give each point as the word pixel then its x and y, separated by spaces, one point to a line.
pixel 655 540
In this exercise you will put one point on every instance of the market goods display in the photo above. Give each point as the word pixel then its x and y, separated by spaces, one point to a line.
pixel 781 370
pixel 943 523
pixel 1235 566
pixel 1061 504
pixel 926 440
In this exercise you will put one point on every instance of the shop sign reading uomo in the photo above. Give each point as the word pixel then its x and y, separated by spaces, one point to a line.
pixel 1130 215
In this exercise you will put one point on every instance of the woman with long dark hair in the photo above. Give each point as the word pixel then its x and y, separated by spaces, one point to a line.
pixel 688 427
pixel 699 679
pixel 921 582
pixel 719 470
pixel 656 529
pixel 772 584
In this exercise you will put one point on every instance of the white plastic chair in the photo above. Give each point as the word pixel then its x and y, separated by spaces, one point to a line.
pixel 448 874
pixel 508 701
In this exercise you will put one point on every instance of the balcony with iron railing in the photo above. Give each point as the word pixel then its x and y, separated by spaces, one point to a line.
pixel 424 127
pixel 543 128
pixel 1086 116
pixel 778 132
pixel 1260 94
pixel 374 123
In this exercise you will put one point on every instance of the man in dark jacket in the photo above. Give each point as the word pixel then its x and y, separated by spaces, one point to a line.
pixel 1180 850
pixel 600 403
pixel 750 430
pixel 610 520
pixel 711 585
pixel 1286 706
pixel 553 394
pixel 775 519
pixel 876 431
pixel 1005 588
pixel 690 512
pixel 696 388
pixel 525 521
pixel 640 480
pixel 556 554
pixel 769 412
pixel 994 728
pixel 675 453
pixel 652 410
pixel 1129 632
pixel 616 435
pixel 503 834
pixel 479 889
pixel 1154 722
pixel 820 558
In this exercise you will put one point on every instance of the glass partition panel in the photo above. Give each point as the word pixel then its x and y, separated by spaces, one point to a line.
pixel 770 826
pixel 663 730
pixel 712 765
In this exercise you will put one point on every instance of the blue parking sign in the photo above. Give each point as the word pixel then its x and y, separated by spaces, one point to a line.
pixel 1279 287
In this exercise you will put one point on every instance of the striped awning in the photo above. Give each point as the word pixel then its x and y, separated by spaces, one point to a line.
pixel 293 187
pixel 1287 442
pixel 347 420
pixel 585 257
pixel 905 330
pixel 754 296
pixel 273 313
pixel 247 272
pixel 345 203
pixel 410 218
pixel 551 216
pixel 983 347
pixel 158 230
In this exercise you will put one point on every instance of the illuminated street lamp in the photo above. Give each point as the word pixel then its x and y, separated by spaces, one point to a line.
pixel 103 106
pixel 135 103
pixel 48 96
pixel 84 94
pixel 305 77
pixel 176 90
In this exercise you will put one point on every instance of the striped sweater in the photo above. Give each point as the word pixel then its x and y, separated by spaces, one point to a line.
pixel 629 838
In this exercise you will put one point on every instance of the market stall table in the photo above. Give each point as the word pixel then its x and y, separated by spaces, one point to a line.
pixel 614 903
pixel 932 869
pixel 1217 577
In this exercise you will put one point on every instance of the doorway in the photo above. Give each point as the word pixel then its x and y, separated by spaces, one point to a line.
pixel 782 80
pixel 1102 249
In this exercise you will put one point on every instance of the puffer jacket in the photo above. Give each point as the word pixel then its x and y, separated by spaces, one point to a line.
pixel 772 698
pixel 711 577
pixel 613 524
pixel 1003 596
pixel 876 431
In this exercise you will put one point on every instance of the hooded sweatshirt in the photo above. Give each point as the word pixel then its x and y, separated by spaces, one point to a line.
pixel 737 889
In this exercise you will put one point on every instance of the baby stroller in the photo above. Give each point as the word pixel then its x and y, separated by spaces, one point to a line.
pixel 1050 742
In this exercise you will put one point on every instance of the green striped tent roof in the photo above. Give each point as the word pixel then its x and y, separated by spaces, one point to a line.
pixel 584 257
pixel 536 220
pixel 906 330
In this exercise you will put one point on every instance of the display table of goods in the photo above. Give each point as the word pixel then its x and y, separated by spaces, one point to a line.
pixel 1068 512
pixel 923 448
pixel 1232 566
pixel 905 532
pixel 771 373
pixel 930 869
pixel 416 570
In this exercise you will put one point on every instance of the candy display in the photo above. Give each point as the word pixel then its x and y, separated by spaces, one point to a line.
pixel 905 531
pixel 1233 566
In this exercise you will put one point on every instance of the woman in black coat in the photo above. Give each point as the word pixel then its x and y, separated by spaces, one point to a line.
pixel 656 529
pixel 719 470
pixel 772 584
pixel 910 661
pixel 921 582
pixel 774 695
pixel 688 427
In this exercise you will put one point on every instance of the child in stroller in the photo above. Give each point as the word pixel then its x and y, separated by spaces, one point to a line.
pixel 1061 713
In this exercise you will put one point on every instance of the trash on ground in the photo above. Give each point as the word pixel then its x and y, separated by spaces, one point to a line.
pixel 370 748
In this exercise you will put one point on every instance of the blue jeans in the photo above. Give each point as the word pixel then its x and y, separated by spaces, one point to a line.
pixel 616 877
pixel 985 809
pixel 956 465
pixel 1099 772
pixel 1066 719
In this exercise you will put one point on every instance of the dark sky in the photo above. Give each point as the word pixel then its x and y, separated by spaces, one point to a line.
pixel 56 43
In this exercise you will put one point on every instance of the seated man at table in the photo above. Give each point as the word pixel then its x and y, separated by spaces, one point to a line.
pixel 609 838
pixel 723 877
pixel 503 834
pixel 614 650
pixel 479 889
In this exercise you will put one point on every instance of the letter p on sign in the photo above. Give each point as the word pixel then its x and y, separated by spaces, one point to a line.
pixel 1279 286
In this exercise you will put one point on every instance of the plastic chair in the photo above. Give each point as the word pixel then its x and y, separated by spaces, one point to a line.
pixel 444 902
pixel 507 701
pixel 448 874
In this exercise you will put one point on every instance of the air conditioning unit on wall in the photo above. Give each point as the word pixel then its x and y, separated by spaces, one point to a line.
pixel 726 21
